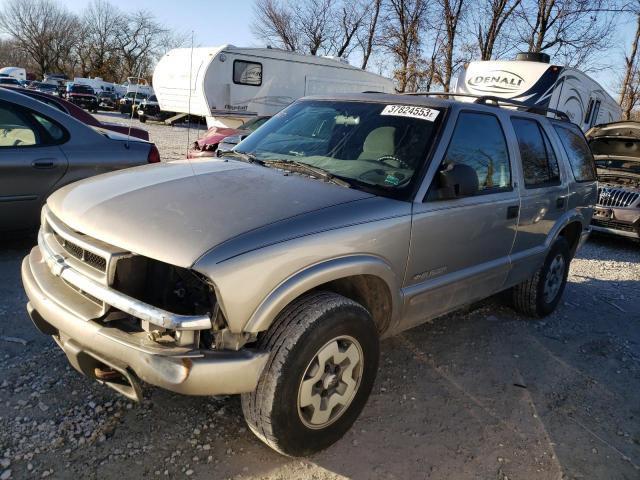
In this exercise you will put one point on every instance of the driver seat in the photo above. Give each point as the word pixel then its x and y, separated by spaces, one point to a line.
pixel 379 142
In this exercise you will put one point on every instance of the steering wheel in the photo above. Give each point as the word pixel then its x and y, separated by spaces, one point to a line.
pixel 399 163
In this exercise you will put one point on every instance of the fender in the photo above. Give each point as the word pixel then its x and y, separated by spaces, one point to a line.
pixel 316 275
pixel 569 217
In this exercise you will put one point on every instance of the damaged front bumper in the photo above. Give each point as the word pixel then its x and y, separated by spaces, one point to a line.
pixel 119 358
pixel 617 221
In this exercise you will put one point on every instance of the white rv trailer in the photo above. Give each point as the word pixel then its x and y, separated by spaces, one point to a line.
pixel 15 72
pixel 530 79
pixel 137 85
pixel 228 85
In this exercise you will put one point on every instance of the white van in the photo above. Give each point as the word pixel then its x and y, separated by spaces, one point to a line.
pixel 15 72
pixel 530 79
pixel 97 83
pixel 229 85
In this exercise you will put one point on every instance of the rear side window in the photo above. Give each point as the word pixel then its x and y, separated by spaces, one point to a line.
pixel 15 129
pixel 580 157
pixel 479 142
pixel 539 163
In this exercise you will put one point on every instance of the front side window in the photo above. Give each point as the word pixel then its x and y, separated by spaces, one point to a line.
pixel 539 163
pixel 478 142
pixel 15 128
pixel 578 152
pixel 372 146
pixel 247 73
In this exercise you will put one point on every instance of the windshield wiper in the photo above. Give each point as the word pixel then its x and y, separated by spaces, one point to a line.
pixel 243 156
pixel 301 167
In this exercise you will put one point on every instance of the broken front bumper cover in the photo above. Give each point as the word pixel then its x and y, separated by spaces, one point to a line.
pixel 94 347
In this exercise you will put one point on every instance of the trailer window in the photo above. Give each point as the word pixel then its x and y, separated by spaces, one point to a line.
pixel 247 73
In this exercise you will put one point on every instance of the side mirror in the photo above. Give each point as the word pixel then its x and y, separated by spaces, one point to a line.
pixel 456 180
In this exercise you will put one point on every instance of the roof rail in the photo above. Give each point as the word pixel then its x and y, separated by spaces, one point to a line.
pixel 497 102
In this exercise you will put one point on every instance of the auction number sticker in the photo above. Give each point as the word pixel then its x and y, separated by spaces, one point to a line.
pixel 422 113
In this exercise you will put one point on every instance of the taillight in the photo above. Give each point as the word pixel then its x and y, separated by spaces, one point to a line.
pixel 154 154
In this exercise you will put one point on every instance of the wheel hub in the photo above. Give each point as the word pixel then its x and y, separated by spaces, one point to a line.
pixel 555 277
pixel 330 382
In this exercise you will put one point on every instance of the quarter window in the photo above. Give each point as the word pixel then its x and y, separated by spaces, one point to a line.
pixel 539 163
pixel 578 152
pixel 247 73
pixel 478 141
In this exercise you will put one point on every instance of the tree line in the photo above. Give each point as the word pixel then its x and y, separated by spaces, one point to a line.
pixel 425 42
pixel 45 37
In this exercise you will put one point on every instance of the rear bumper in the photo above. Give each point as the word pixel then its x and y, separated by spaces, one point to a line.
pixel 92 346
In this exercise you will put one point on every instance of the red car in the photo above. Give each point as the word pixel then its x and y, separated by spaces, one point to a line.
pixel 207 145
pixel 79 114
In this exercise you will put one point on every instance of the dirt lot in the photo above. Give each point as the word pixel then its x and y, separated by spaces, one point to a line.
pixel 482 394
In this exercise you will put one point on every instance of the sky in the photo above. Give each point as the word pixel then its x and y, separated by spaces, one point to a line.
pixel 216 22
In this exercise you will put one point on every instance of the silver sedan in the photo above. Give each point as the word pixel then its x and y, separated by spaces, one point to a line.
pixel 43 149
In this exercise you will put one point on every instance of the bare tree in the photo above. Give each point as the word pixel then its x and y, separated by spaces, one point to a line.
pixel 139 42
pixel 405 19
pixel 573 31
pixel 451 11
pixel 275 22
pixel 630 88
pixel 42 29
pixel 353 16
pixel 490 18
pixel 369 36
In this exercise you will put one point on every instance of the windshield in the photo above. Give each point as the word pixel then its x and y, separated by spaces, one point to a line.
pixel 81 89
pixel 9 81
pixel 253 124
pixel 137 96
pixel 370 145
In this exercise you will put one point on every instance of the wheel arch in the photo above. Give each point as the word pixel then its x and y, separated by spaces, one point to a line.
pixel 368 280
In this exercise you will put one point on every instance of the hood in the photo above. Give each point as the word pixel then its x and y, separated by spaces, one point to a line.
pixel 215 135
pixel 177 211
pixel 618 140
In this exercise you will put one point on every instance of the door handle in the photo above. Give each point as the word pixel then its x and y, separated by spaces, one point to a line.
pixel 43 163
pixel 560 202
pixel 512 211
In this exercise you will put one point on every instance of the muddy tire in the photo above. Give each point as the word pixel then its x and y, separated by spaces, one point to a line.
pixel 323 362
pixel 539 295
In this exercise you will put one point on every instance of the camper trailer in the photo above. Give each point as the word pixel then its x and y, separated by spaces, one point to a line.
pixel 15 72
pixel 532 80
pixel 228 85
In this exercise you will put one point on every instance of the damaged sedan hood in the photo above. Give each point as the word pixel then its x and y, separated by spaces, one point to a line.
pixel 177 211
pixel 616 150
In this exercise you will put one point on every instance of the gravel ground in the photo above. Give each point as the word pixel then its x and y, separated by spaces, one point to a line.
pixel 172 142
pixel 480 394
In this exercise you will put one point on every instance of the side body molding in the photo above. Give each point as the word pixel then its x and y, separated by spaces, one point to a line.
pixel 316 275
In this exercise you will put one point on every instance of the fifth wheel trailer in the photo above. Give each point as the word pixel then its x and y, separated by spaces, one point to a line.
pixel 530 79
pixel 229 85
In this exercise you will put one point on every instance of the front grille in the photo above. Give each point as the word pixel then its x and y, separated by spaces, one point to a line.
pixel 616 197
pixel 76 251
pixel 614 224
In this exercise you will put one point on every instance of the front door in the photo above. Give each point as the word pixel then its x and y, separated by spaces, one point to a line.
pixel 30 165
pixel 460 246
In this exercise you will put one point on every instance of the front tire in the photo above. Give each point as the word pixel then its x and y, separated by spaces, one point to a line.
pixel 323 362
pixel 539 295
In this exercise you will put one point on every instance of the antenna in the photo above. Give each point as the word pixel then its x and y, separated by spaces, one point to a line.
pixel 133 106
pixel 189 100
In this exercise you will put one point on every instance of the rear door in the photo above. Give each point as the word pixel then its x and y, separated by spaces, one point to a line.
pixel 31 163
pixel 544 195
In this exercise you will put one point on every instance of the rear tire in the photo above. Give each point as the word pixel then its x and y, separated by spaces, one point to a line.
pixel 539 295
pixel 324 351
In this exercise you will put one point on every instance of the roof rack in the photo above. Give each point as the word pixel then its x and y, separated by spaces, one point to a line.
pixel 497 101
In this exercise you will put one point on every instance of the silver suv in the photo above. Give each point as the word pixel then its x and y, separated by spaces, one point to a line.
pixel 273 272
